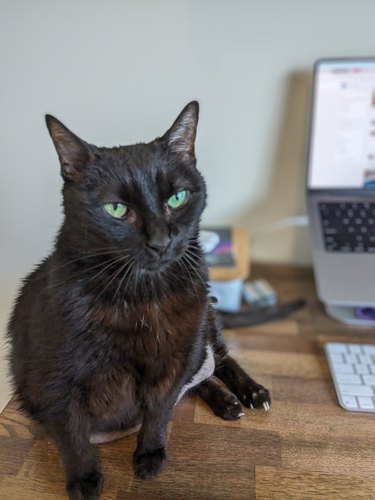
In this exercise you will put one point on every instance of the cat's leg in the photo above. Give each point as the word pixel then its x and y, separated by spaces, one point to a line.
pixel 150 456
pixel 223 403
pixel 249 392
pixel 84 480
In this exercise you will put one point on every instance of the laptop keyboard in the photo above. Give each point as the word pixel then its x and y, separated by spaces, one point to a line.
pixel 352 368
pixel 348 226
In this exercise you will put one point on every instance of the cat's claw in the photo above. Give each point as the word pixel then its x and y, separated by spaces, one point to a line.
pixel 257 398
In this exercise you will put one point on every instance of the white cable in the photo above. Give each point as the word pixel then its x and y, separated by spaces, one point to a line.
pixel 294 221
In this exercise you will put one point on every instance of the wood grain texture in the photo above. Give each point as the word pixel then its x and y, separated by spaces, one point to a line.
pixel 305 447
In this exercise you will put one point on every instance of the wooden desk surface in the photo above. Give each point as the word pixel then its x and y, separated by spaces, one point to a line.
pixel 305 447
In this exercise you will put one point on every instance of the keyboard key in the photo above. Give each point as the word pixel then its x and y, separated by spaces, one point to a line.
pixel 348 378
pixel 350 401
pixel 366 403
pixel 336 358
pixel 337 348
pixel 345 378
pixel 355 349
pixel 350 358
pixel 362 369
pixel 364 359
pixel 369 380
pixel 342 368
pixel 355 390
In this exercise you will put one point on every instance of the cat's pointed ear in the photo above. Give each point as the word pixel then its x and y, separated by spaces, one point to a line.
pixel 74 153
pixel 180 138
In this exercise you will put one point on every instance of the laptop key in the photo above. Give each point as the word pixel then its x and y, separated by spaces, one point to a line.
pixel 348 226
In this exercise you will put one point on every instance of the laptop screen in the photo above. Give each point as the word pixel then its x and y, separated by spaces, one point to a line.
pixel 342 148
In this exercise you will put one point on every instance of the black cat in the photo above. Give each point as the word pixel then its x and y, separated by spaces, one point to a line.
pixel 116 324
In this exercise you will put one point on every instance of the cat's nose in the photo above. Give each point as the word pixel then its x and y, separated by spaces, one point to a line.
pixel 159 243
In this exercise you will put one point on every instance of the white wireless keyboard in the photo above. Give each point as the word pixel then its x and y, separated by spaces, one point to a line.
pixel 353 372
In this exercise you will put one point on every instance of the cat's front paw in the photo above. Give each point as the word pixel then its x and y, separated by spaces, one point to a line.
pixel 256 397
pixel 88 487
pixel 149 464
pixel 227 407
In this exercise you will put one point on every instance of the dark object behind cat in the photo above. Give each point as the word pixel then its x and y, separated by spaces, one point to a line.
pixel 111 329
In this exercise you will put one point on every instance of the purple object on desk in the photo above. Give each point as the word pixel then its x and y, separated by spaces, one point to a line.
pixel 365 313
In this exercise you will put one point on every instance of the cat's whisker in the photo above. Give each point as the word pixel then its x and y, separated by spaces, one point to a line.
pixel 194 268
pixel 126 273
pixel 131 280
pixel 98 252
pixel 139 282
pixel 112 263
pixel 164 278
pixel 191 250
pixel 196 259
pixel 194 251
pixel 190 276
pixel 99 286
pixel 108 250
pixel 170 276
pixel 79 274
pixel 111 279
pixel 194 239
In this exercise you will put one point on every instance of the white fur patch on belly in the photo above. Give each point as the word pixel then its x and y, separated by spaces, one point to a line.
pixel 105 437
pixel 204 372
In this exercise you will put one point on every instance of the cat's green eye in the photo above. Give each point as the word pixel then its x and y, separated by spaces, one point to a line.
pixel 177 200
pixel 115 209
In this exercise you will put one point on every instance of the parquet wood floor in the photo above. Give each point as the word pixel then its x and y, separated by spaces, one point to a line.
pixel 306 447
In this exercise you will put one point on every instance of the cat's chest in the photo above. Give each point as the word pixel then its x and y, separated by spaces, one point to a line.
pixel 147 351
pixel 158 339
pixel 144 327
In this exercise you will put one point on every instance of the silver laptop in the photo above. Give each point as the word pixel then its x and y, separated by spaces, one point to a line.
pixel 341 187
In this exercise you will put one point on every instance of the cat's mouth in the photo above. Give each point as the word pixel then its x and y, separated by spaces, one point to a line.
pixel 157 264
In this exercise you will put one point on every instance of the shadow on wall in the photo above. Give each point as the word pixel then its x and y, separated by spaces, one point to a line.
pixel 285 195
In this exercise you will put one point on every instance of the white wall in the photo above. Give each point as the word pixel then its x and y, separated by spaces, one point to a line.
pixel 119 71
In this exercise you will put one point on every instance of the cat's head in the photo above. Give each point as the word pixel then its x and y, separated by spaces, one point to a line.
pixel 144 199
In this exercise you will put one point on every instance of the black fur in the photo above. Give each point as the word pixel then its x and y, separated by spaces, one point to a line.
pixel 108 329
